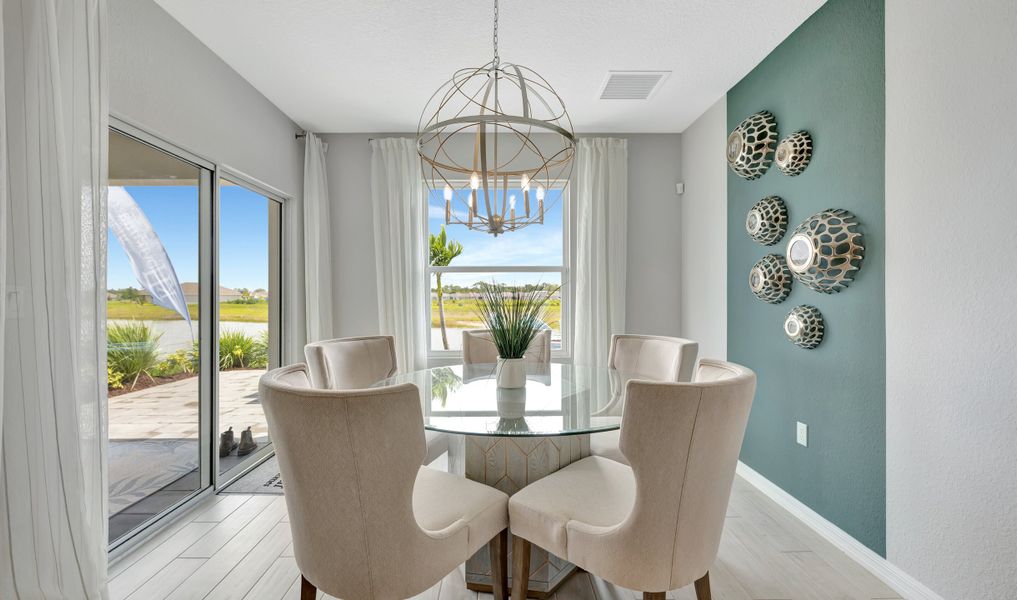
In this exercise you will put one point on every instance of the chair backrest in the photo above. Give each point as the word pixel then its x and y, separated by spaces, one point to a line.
pixel 655 357
pixel 478 347
pixel 350 363
pixel 349 460
pixel 682 441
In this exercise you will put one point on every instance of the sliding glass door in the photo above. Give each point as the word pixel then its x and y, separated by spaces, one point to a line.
pixel 193 320
pixel 154 312
pixel 248 320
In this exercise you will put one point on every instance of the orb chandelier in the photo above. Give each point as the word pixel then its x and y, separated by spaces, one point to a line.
pixel 494 139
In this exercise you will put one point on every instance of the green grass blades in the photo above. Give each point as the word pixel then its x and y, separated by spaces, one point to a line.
pixel 514 317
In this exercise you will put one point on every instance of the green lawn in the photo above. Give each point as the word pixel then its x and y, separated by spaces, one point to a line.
pixel 249 313
pixel 463 314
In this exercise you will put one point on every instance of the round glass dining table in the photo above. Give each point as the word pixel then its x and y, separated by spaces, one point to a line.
pixel 509 438
pixel 558 400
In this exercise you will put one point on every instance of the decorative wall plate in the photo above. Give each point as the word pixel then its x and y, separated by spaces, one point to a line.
pixel 794 153
pixel 770 280
pixel 825 250
pixel 804 326
pixel 766 221
pixel 750 146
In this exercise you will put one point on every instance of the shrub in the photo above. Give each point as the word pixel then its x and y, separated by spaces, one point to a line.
pixel 132 350
pixel 181 361
pixel 114 378
pixel 238 350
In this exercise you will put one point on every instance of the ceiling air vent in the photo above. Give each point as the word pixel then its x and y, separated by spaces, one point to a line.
pixel 632 85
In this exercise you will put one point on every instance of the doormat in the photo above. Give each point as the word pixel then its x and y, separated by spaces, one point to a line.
pixel 263 479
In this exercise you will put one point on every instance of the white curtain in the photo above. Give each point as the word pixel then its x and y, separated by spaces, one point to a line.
pixel 53 455
pixel 601 208
pixel 317 245
pixel 399 221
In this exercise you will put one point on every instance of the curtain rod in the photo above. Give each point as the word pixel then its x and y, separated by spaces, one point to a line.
pixel 302 134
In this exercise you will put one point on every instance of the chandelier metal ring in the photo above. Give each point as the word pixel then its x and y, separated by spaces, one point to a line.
pixel 490 135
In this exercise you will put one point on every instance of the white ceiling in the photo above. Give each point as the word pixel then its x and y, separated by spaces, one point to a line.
pixel 370 66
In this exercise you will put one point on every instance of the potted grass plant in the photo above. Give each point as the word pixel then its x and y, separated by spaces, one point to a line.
pixel 514 318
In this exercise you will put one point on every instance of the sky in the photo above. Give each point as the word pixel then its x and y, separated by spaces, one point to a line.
pixel 173 213
pixel 243 246
pixel 533 245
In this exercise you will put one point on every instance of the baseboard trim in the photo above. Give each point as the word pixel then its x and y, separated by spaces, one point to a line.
pixel 905 585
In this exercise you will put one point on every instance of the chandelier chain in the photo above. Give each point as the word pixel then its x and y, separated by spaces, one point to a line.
pixel 496 58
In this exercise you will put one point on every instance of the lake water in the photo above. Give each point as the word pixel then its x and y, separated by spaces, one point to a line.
pixel 176 335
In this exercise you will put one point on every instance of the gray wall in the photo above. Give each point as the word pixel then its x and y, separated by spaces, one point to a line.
pixel 163 80
pixel 704 223
pixel 654 233
pixel 951 407
pixel 838 389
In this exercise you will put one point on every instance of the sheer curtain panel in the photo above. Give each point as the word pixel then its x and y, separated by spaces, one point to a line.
pixel 601 208
pixel 53 446
pixel 317 247
pixel 397 194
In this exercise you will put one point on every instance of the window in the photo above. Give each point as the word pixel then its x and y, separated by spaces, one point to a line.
pixel 534 256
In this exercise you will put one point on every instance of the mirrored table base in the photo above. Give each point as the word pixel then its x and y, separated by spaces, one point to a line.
pixel 509 464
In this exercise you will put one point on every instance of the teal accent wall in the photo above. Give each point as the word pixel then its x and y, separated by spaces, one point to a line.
pixel 827 78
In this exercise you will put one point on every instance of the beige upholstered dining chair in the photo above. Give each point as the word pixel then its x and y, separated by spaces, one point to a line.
pixel 656 525
pixel 368 521
pixel 650 357
pixel 360 362
pixel 479 348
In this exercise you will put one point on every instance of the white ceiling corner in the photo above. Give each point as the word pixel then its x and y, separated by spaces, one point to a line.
pixel 356 66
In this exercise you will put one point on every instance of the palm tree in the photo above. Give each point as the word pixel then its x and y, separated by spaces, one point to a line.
pixel 443 251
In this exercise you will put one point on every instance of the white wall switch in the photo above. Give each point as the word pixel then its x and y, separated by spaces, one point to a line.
pixel 679 188
pixel 803 434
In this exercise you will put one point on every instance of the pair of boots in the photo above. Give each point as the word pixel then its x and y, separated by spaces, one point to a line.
pixel 227 444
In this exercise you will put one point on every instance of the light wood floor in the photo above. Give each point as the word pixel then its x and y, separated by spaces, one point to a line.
pixel 238 547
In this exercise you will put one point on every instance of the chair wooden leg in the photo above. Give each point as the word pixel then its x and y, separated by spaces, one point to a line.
pixel 654 595
pixel 703 587
pixel 520 567
pixel 307 589
pixel 499 565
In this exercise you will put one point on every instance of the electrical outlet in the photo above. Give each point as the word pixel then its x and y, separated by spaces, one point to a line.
pixel 803 434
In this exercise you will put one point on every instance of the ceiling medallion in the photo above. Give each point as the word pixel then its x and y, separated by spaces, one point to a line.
pixel 766 221
pixel 750 146
pixel 494 139
pixel 770 279
pixel 794 153
pixel 825 250
pixel 804 326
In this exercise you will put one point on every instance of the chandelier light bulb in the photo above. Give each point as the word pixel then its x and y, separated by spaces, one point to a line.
pixel 474 181
pixel 448 192
pixel 524 182
pixel 512 202
pixel 540 193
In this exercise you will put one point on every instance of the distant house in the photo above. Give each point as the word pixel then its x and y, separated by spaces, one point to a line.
pixel 190 289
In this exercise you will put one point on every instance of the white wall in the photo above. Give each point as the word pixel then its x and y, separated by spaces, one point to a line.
pixel 166 82
pixel 704 232
pixel 951 407
pixel 653 290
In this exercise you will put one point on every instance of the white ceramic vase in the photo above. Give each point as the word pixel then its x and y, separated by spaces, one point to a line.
pixel 511 373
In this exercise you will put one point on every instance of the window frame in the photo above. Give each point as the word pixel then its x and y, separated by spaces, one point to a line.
pixel 563 354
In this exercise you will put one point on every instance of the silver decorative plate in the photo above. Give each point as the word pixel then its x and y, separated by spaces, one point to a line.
pixel 766 221
pixel 750 146
pixel 794 153
pixel 825 250
pixel 770 280
pixel 804 326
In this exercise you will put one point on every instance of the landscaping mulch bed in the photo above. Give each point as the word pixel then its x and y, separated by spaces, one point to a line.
pixel 146 382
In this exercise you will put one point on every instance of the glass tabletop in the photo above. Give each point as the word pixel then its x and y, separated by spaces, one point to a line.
pixel 557 400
